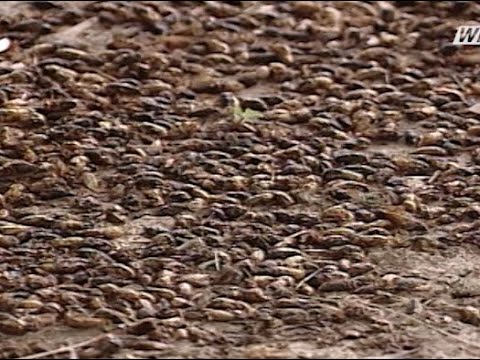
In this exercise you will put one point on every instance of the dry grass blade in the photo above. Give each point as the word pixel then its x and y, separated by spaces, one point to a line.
pixel 305 279
pixel 218 266
pixel 71 348
pixel 73 351
pixel 398 355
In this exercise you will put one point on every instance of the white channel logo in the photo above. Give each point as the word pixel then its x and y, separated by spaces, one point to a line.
pixel 467 35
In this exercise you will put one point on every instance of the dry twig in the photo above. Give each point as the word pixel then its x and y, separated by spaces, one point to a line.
pixel 71 348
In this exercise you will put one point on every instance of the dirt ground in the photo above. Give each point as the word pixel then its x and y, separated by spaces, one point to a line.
pixel 238 179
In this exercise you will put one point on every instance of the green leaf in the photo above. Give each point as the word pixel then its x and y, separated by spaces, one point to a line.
pixel 246 114
pixel 251 114
pixel 237 111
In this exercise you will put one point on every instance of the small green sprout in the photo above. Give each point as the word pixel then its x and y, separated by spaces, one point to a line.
pixel 247 114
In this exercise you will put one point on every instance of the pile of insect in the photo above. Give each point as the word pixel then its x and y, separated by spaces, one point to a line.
pixel 226 179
